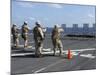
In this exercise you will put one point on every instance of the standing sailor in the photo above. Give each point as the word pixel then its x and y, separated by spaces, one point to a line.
pixel 25 30
pixel 38 39
pixel 57 44
pixel 14 31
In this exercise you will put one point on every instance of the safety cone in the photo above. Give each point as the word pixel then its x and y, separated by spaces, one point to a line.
pixel 69 55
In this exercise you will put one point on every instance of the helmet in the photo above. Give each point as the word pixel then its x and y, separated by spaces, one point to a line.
pixel 25 22
pixel 37 23
pixel 14 24
pixel 56 26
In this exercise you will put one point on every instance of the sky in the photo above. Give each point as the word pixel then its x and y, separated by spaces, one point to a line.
pixel 50 14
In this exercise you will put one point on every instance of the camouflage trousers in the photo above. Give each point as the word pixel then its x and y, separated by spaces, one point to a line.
pixel 38 48
pixel 57 44
pixel 25 37
pixel 15 41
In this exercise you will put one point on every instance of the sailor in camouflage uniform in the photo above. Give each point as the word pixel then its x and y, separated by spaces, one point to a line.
pixel 38 38
pixel 14 31
pixel 25 30
pixel 56 41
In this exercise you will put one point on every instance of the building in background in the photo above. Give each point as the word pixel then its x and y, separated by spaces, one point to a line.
pixel 64 27
pixel 85 29
pixel 75 29
pixel 94 29
pixel 94 26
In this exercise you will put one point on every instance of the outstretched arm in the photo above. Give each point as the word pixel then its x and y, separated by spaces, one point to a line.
pixel 41 32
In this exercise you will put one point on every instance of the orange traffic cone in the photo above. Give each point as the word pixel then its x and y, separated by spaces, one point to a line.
pixel 69 55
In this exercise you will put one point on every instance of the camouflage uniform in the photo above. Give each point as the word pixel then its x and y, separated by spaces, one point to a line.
pixel 38 38
pixel 57 44
pixel 14 31
pixel 25 31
